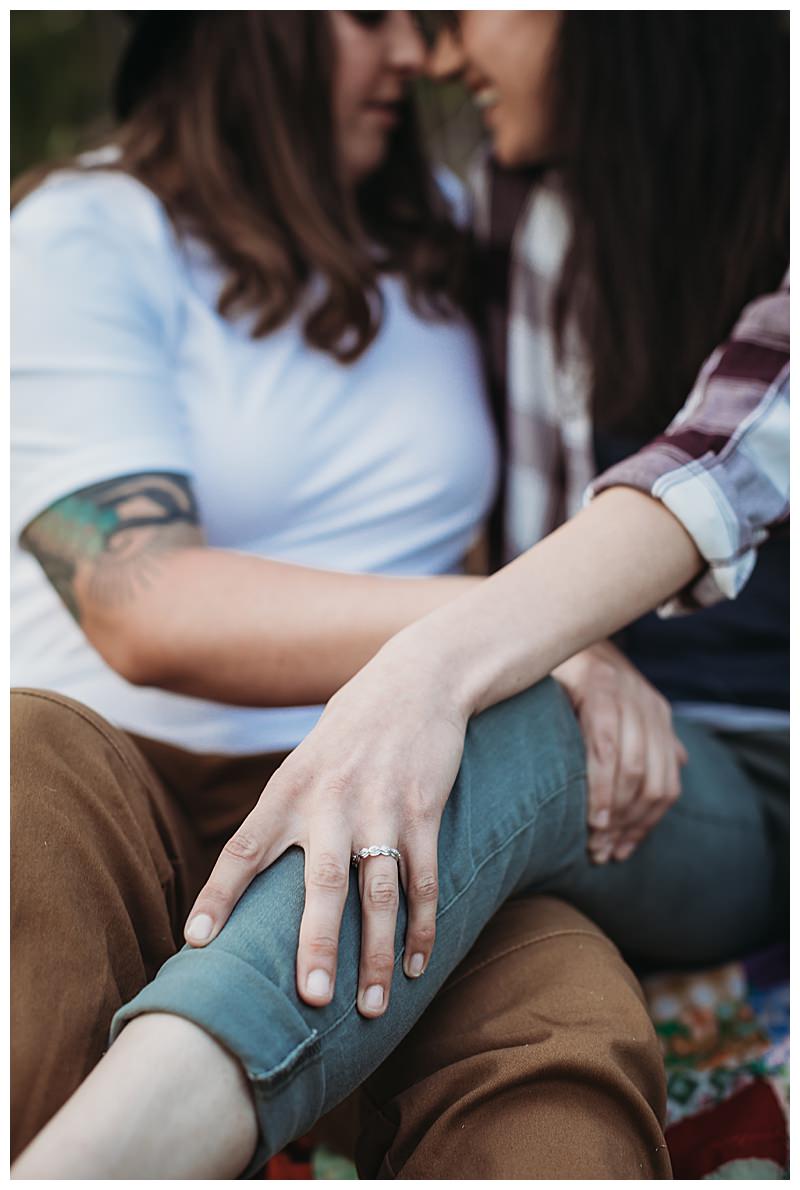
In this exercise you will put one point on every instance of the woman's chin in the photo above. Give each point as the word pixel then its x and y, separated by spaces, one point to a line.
pixel 514 147
pixel 507 154
pixel 366 159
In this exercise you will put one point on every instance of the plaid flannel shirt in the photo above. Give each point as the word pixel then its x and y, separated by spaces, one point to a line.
pixel 721 466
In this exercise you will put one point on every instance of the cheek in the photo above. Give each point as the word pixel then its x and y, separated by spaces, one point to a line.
pixel 530 56
pixel 523 127
pixel 349 60
pixel 344 104
pixel 348 91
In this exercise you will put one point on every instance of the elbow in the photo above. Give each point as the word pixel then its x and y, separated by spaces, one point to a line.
pixel 138 668
pixel 131 655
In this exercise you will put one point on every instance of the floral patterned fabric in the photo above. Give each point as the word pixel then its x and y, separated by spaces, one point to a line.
pixel 725 1036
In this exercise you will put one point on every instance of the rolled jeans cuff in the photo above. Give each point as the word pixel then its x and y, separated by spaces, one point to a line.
pixel 258 1025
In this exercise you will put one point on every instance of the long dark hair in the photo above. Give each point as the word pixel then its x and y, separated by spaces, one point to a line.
pixel 226 117
pixel 674 128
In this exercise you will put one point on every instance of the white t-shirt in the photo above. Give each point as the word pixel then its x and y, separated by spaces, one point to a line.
pixel 121 364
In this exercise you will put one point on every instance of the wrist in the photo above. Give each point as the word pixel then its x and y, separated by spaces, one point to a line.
pixel 428 652
pixel 420 658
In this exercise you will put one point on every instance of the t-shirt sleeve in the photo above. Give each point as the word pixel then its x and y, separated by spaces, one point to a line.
pixel 722 465
pixel 94 319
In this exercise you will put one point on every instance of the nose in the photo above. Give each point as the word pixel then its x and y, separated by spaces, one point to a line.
pixel 406 47
pixel 446 57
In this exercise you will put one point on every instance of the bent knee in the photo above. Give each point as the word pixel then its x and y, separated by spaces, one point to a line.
pixel 46 728
pixel 520 756
pixel 537 725
pixel 63 756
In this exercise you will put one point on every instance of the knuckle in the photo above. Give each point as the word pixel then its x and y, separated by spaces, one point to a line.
pixel 380 961
pixel 291 789
pixel 635 767
pixel 322 946
pixel 243 846
pixel 381 893
pixel 418 808
pixel 424 935
pixel 328 872
pixel 425 887
pixel 604 745
pixel 337 785
pixel 213 894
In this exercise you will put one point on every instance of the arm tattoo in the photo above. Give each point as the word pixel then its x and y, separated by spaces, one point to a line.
pixel 117 533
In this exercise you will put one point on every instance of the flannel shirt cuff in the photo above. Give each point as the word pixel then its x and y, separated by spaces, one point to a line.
pixel 696 496
pixel 728 496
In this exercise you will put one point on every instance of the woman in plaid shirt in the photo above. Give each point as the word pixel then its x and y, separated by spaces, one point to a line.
pixel 648 262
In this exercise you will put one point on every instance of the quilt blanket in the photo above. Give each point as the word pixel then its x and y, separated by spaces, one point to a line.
pixel 725 1037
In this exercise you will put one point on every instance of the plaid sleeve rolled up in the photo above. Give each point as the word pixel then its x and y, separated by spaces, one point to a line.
pixel 722 465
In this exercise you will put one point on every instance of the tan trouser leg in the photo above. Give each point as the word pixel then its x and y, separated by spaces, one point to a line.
pixel 102 865
pixel 105 866
pixel 536 1060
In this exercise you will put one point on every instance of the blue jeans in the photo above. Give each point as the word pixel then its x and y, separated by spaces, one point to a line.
pixel 701 887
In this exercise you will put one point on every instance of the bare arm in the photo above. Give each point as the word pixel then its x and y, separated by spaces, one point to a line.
pixel 130 561
pixel 617 559
pixel 381 762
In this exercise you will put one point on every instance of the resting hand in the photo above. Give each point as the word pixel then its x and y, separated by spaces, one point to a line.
pixel 633 756
pixel 377 769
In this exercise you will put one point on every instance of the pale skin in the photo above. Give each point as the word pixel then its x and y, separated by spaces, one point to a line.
pixel 497 637
pixel 631 554
pixel 129 558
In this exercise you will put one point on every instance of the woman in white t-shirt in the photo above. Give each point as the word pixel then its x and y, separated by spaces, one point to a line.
pixel 248 414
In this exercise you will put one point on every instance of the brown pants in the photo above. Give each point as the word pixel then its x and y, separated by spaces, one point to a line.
pixel 537 1058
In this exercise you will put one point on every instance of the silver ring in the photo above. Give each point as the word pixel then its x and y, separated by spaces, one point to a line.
pixel 366 852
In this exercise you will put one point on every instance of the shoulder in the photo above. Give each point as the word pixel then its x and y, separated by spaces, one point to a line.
pixel 96 238
pixel 77 212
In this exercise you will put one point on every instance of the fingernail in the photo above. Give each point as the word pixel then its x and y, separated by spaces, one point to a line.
pixel 199 928
pixel 601 819
pixel 318 983
pixel 373 996
pixel 416 965
pixel 625 851
pixel 602 855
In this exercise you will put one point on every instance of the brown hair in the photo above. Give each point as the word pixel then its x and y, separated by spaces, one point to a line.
pixel 675 139
pixel 226 118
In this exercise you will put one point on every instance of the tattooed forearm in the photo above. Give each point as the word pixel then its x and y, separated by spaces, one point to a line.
pixel 107 541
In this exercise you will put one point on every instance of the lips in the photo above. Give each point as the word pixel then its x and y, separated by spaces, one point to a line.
pixel 388 111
